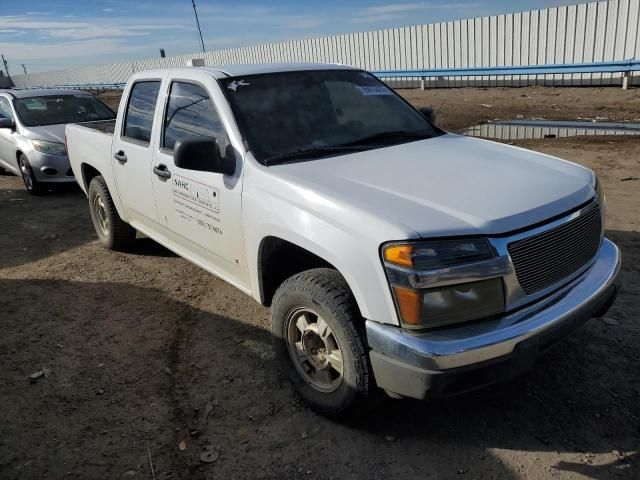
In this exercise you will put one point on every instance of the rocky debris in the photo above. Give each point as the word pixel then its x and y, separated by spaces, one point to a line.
pixel 209 455
pixel 35 376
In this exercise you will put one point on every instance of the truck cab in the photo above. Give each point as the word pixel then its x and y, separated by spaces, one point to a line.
pixel 396 257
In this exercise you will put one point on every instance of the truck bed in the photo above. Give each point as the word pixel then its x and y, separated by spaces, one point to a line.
pixel 104 126
pixel 89 143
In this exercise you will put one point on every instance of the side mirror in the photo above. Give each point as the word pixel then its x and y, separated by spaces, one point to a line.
pixel 202 154
pixel 428 113
pixel 6 123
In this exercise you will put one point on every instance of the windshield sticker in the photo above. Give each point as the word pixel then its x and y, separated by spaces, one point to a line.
pixel 237 83
pixel 369 90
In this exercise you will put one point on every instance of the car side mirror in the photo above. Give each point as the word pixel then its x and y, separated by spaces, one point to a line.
pixel 428 113
pixel 7 123
pixel 202 154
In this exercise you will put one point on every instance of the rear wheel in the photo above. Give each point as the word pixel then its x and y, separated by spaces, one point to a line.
pixel 33 186
pixel 111 230
pixel 320 343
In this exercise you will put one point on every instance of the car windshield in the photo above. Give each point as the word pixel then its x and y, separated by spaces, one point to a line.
pixel 60 109
pixel 289 115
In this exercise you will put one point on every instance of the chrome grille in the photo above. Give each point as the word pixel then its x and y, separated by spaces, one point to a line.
pixel 546 258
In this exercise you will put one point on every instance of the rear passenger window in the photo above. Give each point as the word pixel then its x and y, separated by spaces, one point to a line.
pixel 139 118
pixel 191 113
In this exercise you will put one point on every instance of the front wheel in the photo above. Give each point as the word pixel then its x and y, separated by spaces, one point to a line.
pixel 111 230
pixel 32 184
pixel 319 340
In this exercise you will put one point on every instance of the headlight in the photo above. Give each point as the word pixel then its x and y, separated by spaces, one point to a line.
pixel 443 282
pixel 50 148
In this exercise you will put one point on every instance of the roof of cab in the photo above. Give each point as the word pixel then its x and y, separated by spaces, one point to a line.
pixel 40 92
pixel 258 68
pixel 226 71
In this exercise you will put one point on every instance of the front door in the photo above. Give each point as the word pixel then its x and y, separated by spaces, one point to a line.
pixel 7 142
pixel 133 156
pixel 201 209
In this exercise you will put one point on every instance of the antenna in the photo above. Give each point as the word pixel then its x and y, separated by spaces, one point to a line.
pixel 6 65
pixel 193 2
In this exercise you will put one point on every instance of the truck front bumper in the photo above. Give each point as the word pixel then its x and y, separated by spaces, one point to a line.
pixel 453 360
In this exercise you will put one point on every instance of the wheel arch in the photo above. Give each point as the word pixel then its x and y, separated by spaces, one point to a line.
pixel 280 258
pixel 88 172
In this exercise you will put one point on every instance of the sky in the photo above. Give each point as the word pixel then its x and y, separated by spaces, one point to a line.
pixel 60 34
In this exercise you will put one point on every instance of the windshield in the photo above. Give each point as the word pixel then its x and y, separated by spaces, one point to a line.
pixel 59 109
pixel 292 113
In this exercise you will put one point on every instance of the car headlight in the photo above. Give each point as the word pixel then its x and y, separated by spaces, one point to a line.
pixel 50 148
pixel 442 282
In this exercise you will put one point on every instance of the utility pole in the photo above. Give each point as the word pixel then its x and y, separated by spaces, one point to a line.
pixel 193 2
pixel 24 67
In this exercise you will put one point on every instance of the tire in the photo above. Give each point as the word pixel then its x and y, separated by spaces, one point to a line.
pixel 33 186
pixel 112 232
pixel 321 296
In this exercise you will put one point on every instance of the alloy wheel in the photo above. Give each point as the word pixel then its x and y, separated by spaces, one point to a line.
pixel 101 214
pixel 314 350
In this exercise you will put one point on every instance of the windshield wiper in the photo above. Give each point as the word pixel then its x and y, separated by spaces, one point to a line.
pixel 380 136
pixel 354 145
pixel 307 152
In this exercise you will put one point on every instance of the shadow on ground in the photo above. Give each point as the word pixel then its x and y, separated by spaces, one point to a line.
pixel 36 227
pixel 130 367
pixel 155 352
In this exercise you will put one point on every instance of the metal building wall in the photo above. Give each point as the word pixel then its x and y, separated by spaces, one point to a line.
pixel 588 32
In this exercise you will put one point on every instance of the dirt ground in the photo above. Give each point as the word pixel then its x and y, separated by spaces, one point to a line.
pixel 458 109
pixel 149 360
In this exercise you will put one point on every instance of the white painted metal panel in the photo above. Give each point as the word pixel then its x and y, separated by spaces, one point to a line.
pixel 486 60
pixel 570 39
pixel 610 37
pixel 588 32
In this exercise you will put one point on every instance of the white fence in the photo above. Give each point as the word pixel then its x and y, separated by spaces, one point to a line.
pixel 588 32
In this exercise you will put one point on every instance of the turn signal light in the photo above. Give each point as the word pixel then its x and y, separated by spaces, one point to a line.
pixel 399 255
pixel 408 304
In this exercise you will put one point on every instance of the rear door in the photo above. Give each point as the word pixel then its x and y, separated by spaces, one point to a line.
pixel 133 154
pixel 201 209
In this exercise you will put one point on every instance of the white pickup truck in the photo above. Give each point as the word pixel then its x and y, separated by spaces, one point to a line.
pixel 395 256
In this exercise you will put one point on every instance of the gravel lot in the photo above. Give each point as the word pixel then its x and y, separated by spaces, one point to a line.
pixel 145 356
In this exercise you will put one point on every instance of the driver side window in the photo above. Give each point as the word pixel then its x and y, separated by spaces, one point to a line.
pixel 191 113
pixel 5 108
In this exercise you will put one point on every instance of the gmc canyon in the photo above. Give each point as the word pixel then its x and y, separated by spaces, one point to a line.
pixel 395 256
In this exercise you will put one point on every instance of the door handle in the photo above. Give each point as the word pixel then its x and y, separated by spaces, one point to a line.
pixel 162 172
pixel 121 157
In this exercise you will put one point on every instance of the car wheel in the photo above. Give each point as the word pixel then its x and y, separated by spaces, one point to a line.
pixel 319 340
pixel 30 182
pixel 111 230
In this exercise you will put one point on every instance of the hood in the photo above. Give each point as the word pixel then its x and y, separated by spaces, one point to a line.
pixel 450 185
pixel 50 133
